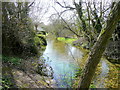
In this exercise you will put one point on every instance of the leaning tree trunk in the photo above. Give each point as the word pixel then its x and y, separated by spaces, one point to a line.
pixel 99 47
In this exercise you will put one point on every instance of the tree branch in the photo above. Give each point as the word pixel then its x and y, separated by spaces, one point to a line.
pixel 71 8
pixel 99 47
pixel 67 24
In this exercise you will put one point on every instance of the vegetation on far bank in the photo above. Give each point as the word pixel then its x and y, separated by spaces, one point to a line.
pixel 66 40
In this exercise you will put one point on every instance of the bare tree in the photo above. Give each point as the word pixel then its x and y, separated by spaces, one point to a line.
pixel 91 17
pixel 38 11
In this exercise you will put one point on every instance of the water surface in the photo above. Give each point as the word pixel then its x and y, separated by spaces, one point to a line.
pixel 63 60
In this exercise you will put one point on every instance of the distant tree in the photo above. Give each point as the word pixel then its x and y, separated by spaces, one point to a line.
pixel 90 18
pixel 37 11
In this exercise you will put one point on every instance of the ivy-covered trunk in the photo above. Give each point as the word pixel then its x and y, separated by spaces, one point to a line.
pixel 99 47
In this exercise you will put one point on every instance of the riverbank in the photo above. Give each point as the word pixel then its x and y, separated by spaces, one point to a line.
pixel 25 75
pixel 106 75
pixel 27 70
pixel 59 62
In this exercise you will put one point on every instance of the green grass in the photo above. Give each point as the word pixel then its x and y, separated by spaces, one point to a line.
pixel 66 40
pixel 13 60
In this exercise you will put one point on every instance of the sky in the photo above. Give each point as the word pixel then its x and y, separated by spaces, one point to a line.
pixel 39 15
pixel 51 3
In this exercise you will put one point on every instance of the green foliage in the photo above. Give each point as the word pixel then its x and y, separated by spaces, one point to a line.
pixel 78 73
pixel 12 60
pixel 118 68
pixel 92 86
pixel 37 40
pixel 6 83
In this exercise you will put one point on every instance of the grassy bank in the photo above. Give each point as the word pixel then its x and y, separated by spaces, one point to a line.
pixel 66 40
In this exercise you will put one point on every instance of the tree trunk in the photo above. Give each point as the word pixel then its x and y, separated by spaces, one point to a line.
pixel 99 47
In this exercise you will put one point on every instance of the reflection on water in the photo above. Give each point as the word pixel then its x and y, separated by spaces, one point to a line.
pixel 99 81
pixel 62 58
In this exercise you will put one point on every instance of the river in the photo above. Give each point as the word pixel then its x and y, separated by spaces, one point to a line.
pixel 63 58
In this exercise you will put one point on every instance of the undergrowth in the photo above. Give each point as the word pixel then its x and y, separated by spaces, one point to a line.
pixel 12 60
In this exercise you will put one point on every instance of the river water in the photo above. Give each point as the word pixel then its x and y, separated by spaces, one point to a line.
pixel 63 58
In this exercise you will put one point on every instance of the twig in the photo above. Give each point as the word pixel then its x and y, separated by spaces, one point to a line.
pixel 66 23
